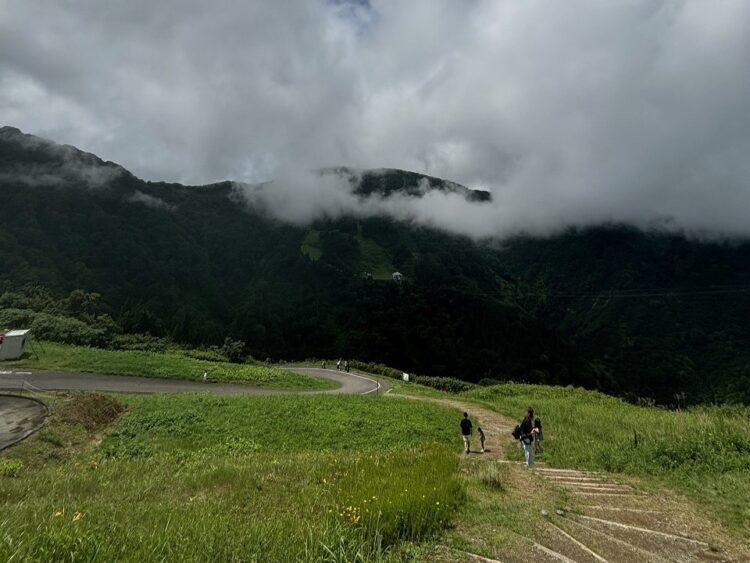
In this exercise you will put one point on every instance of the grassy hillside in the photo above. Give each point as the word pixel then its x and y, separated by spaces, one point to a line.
pixel 176 364
pixel 200 478
pixel 311 245
pixel 337 478
pixel 702 452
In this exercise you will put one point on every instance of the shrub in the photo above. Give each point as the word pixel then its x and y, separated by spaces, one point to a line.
pixel 488 381
pixel 16 318
pixel 92 410
pixel 449 384
pixel 140 342
pixel 234 350
pixel 66 330
pixel 10 467
pixel 212 354
pixel 378 369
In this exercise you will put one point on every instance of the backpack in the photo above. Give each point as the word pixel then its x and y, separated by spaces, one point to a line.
pixel 517 432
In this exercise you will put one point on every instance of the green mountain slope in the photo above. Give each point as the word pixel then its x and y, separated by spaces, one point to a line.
pixel 194 264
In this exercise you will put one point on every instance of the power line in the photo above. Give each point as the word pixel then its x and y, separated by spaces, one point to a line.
pixel 627 293
pixel 641 293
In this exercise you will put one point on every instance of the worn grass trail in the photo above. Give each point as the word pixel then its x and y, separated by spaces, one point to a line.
pixel 569 515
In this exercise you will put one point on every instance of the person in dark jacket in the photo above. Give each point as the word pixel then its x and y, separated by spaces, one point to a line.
pixel 466 431
pixel 527 436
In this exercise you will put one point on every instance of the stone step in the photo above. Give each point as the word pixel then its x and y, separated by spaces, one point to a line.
pixel 614 549
pixel 622 501
pixel 666 545
pixel 612 487
pixel 571 478
pixel 467 557
pixel 579 472
pixel 568 545
pixel 658 520
pixel 550 553
pixel 622 509
pixel 607 493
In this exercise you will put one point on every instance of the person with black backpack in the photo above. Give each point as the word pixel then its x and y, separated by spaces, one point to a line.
pixel 526 433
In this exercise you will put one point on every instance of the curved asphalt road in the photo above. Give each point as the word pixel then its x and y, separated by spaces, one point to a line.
pixel 19 417
pixel 350 383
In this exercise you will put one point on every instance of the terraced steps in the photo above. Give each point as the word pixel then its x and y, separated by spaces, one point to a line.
pixel 625 524
pixel 610 519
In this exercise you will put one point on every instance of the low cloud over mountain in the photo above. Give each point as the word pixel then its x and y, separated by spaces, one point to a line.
pixel 572 113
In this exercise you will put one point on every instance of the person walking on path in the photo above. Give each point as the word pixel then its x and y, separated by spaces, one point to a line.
pixel 346 366
pixel 481 438
pixel 338 365
pixel 527 436
pixel 466 431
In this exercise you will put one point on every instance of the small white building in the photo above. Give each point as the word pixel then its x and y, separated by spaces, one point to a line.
pixel 13 344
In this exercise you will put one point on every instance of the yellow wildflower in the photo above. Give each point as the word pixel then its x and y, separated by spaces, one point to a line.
pixel 58 514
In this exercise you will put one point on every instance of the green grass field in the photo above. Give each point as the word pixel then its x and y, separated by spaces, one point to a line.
pixel 702 452
pixel 336 478
pixel 202 478
pixel 311 245
pixel 374 259
pixel 171 365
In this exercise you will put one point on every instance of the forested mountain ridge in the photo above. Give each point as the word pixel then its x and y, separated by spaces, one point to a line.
pixel 609 307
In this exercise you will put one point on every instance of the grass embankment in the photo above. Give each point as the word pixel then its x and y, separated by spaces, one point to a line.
pixel 233 478
pixel 176 364
pixel 702 452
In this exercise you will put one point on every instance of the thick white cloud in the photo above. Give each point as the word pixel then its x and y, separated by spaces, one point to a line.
pixel 571 113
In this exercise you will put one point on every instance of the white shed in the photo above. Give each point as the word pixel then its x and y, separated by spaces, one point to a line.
pixel 13 343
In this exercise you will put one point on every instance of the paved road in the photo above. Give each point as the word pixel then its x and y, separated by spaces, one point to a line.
pixel 19 417
pixel 353 384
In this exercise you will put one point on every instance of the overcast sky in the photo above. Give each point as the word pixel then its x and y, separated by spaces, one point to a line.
pixel 571 113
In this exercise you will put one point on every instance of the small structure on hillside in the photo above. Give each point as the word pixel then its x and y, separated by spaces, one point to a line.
pixel 398 277
pixel 13 344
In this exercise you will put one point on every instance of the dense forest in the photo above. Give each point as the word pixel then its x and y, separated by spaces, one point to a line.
pixel 638 314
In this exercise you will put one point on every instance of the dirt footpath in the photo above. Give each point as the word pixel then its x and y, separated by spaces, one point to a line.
pixel 604 517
